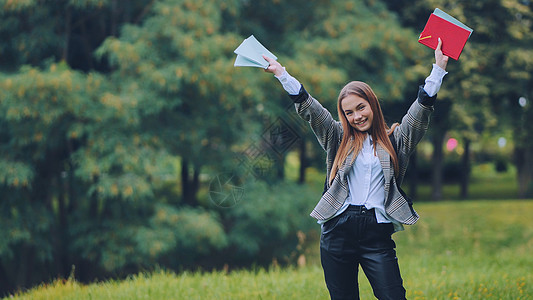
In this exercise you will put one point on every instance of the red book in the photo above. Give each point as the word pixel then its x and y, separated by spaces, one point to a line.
pixel 453 34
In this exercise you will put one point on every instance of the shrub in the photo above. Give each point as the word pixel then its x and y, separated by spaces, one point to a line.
pixel 268 223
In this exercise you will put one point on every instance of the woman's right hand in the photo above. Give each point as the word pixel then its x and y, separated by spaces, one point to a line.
pixel 274 67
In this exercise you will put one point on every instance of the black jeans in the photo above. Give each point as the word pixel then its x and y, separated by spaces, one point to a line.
pixel 355 238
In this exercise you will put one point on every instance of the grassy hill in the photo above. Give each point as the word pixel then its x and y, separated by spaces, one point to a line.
pixel 458 250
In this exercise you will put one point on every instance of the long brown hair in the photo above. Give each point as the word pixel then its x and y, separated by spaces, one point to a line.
pixel 352 139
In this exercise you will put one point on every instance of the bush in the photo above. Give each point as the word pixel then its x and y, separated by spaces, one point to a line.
pixel 172 237
pixel 179 238
pixel 269 223
pixel 501 164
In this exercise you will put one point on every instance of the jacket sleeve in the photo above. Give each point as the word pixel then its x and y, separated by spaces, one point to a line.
pixel 327 130
pixel 412 128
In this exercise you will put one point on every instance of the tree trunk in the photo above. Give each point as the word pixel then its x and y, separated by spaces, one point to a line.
pixel 144 12
pixel 68 17
pixel 524 161
pixel 440 126
pixel 195 184
pixel 465 172
pixel 280 168
pixel 93 204
pixel 5 281
pixel 87 48
pixel 25 266
pixel 185 184
pixel 62 229
pixel 303 161
pixel 114 18
pixel 189 186
pixel 437 160
pixel 524 151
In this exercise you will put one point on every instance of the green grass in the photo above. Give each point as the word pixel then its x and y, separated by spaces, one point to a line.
pixel 458 250
pixel 485 183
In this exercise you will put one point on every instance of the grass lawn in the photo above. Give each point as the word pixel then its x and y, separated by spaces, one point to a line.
pixel 458 250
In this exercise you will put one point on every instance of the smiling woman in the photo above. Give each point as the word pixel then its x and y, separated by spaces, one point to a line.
pixel 363 204
pixel 356 106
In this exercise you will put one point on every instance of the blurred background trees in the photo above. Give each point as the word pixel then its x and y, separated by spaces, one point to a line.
pixel 493 74
pixel 128 139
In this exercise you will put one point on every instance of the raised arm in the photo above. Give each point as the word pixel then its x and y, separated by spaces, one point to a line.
pixel 441 60
pixel 326 129
pixel 416 122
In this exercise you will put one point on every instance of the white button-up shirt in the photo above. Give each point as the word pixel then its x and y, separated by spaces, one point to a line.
pixel 366 179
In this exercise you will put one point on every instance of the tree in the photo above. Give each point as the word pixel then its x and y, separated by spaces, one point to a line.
pixel 492 73
pixel 77 176
pixel 36 31
pixel 36 182
pixel 500 72
pixel 176 67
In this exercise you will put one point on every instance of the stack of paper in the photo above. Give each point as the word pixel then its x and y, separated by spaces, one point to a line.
pixel 453 33
pixel 250 54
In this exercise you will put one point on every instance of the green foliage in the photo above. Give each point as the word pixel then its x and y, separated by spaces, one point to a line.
pixel 175 238
pixel 175 68
pixel 24 44
pixel 15 173
pixel 33 101
pixel 185 234
pixel 266 222
pixel 18 233
pixel 35 106
pixel 493 72
pixel 365 42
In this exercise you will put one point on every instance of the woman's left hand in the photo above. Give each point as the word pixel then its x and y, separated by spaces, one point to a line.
pixel 441 60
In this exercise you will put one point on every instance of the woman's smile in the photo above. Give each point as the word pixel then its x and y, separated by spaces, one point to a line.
pixel 361 123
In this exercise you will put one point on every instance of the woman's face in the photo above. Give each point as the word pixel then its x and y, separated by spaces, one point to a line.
pixel 358 112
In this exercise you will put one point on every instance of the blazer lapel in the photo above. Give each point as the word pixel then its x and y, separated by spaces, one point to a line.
pixel 384 160
pixel 347 166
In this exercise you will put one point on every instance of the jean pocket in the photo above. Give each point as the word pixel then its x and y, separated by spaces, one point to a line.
pixel 331 224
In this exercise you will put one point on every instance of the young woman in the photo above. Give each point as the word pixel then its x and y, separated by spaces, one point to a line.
pixel 363 205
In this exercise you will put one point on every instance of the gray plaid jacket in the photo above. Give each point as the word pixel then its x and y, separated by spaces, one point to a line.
pixel 329 134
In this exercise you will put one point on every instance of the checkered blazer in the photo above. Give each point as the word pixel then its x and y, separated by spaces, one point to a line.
pixel 329 134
